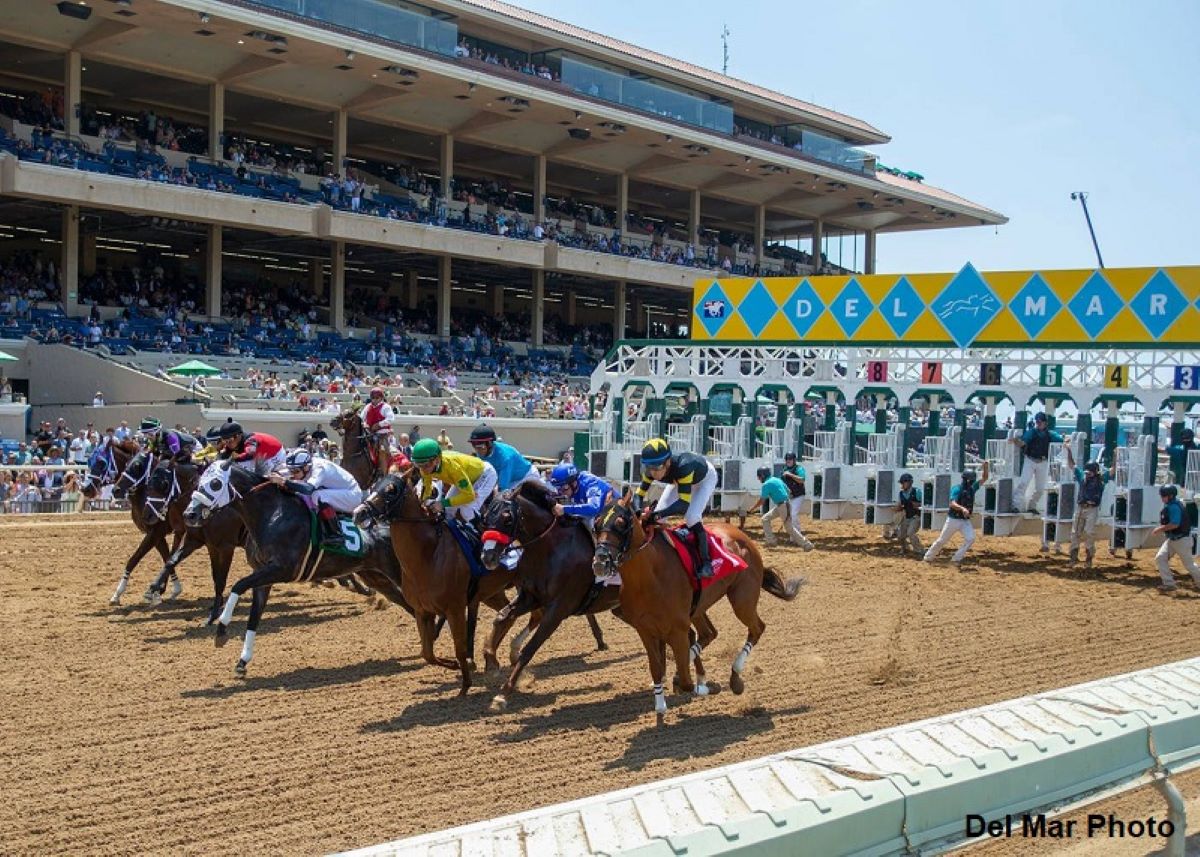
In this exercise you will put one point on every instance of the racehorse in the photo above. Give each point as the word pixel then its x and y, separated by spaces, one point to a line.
pixel 280 547
pixel 554 573
pixel 128 469
pixel 436 577
pixel 359 452
pixel 170 487
pixel 659 600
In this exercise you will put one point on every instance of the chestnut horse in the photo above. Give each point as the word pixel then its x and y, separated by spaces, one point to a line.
pixel 360 455
pixel 657 594
pixel 435 575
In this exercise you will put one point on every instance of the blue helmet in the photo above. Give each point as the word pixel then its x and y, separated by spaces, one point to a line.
pixel 562 474
pixel 656 451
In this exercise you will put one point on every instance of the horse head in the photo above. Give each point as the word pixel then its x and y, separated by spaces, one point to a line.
pixel 214 491
pixel 134 474
pixel 102 469
pixel 521 514
pixel 388 499
pixel 162 486
pixel 618 534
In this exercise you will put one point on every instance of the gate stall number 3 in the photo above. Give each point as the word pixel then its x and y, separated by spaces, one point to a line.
pixel 1187 377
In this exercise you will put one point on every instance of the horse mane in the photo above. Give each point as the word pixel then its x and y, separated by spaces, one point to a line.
pixel 128 445
pixel 538 494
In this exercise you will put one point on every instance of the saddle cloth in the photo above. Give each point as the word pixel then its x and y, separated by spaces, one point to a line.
pixel 724 563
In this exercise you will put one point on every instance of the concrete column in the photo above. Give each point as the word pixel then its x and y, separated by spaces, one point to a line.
pixel 216 120
pixel 316 276
pixel 337 287
pixel 1112 430
pixel 881 413
pixel 935 415
pixel 639 318
pixel 412 290
pixel 989 422
pixel 446 162
pixel 869 252
pixel 1178 421
pixel 87 254
pixel 831 398
pixel 619 311
pixel 340 123
pixel 694 220
pixel 72 92
pixel 569 312
pixel 760 233
pixel 539 188
pixel 443 296
pixel 212 271
pixel 496 303
pixel 68 268
pixel 818 242
pixel 622 204
pixel 537 312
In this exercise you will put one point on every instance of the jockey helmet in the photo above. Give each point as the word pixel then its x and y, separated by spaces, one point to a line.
pixel 299 459
pixel 426 450
pixel 562 474
pixel 377 391
pixel 151 425
pixel 231 429
pixel 213 434
pixel 483 434
pixel 656 451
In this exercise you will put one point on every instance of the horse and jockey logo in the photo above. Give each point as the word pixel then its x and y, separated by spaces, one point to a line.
pixel 973 306
pixel 714 308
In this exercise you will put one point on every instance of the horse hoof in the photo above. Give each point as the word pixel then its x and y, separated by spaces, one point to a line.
pixel 490 664
pixel 736 684
pixel 152 598
pixel 176 590
pixel 499 703
pixel 701 690
pixel 221 638
pixel 115 601
pixel 660 717
pixel 602 647
pixel 240 669
pixel 675 683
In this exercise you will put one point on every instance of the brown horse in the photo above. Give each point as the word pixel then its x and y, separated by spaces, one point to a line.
pixel 657 594
pixel 360 452
pixel 435 575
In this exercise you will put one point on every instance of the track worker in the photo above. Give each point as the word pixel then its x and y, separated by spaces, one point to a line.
pixel 333 489
pixel 467 482
pixel 1176 525
pixel 774 490
pixel 1088 495
pixel 962 506
pixel 793 477
pixel 908 515
pixel 1035 443
pixel 690 480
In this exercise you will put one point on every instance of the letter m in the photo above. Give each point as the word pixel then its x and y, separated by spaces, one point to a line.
pixel 1035 306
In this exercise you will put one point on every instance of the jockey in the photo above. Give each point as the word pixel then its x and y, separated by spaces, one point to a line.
pixel 258 451
pixel 333 488
pixel 468 481
pixel 377 419
pixel 170 443
pixel 207 454
pixel 399 462
pixel 691 480
pixel 588 494
pixel 511 467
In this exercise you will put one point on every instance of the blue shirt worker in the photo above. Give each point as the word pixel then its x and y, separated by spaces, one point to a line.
pixel 1176 524
pixel 962 506
pixel 774 490
pixel 1035 443
pixel 1177 454
pixel 511 467
pixel 690 479
pixel 585 494
pixel 1088 496
pixel 908 515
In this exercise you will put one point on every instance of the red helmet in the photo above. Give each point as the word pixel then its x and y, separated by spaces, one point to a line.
pixel 400 460
pixel 377 391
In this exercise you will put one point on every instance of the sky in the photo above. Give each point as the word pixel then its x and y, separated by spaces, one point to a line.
pixel 1011 104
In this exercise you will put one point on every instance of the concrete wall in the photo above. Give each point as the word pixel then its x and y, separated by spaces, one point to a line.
pixel 61 376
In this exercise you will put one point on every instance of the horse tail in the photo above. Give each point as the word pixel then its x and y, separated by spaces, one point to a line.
pixel 775 585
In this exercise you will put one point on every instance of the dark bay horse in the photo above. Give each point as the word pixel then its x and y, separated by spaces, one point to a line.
pixel 279 545
pixel 359 453
pixel 170 487
pixel 436 577
pixel 128 469
pixel 553 575
pixel 656 593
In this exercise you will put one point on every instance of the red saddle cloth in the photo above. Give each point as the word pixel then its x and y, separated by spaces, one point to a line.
pixel 724 563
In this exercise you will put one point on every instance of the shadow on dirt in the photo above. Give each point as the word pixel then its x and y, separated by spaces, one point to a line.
pixel 309 678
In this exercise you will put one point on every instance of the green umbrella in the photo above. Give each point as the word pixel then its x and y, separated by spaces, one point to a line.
pixel 195 368
pixel 5 357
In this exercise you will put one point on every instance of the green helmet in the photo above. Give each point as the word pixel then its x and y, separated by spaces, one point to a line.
pixel 426 449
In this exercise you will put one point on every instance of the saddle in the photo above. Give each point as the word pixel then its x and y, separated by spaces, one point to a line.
pixel 470 541
pixel 724 563
pixel 353 540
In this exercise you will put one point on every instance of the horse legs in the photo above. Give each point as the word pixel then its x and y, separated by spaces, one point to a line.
pixel 472 624
pixel 256 611
pixel 151 540
pixel 746 609
pixel 657 655
pixel 155 590
pixel 265 576
pixel 507 615
pixel 457 620
pixel 552 617
pixel 601 646
pixel 427 627
pixel 385 586
pixel 352 583
pixel 680 643
pixel 219 561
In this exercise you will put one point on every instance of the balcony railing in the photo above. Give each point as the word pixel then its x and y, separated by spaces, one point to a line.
pixel 375 18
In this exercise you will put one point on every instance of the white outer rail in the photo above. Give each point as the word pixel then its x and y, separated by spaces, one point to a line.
pixel 898 790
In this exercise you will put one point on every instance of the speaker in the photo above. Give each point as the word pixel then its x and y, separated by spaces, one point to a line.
pixel 1066 501
pixel 885 486
pixel 731 475
pixel 74 10
pixel 1004 494
pixel 941 491
pixel 598 463
pixel 1136 505
pixel 831 485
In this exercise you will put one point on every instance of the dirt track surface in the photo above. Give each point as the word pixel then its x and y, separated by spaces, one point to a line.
pixel 126 731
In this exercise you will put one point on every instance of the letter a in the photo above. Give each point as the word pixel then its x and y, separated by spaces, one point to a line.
pixel 1095 306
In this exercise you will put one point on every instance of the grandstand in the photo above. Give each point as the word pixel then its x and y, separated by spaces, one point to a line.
pixel 462 185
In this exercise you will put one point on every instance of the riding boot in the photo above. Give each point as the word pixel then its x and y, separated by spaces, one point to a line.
pixel 705 569
pixel 331 537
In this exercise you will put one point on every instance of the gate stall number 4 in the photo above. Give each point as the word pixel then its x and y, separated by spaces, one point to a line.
pixel 1116 376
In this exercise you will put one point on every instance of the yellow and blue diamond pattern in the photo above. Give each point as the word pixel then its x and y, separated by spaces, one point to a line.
pixel 1113 306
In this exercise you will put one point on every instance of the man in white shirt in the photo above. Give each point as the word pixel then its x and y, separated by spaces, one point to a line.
pixel 78 448
pixel 122 432
pixel 98 400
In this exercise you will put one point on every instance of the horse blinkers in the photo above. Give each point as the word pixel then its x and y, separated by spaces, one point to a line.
pixel 610 552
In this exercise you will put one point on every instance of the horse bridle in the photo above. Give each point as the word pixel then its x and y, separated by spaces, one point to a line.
pixel 604 550
pixel 392 494
pixel 515 540
pixel 159 505
pixel 135 482
pixel 104 456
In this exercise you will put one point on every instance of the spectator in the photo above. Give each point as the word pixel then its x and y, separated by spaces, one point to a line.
pixel 70 497
pixel 444 441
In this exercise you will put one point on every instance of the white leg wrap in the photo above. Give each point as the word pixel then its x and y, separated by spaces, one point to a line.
pixel 739 663
pixel 227 614
pixel 660 700
pixel 701 685
pixel 694 652
pixel 176 588
pixel 248 647
pixel 122 585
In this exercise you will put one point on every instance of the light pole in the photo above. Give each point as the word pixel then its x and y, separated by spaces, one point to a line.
pixel 1082 197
